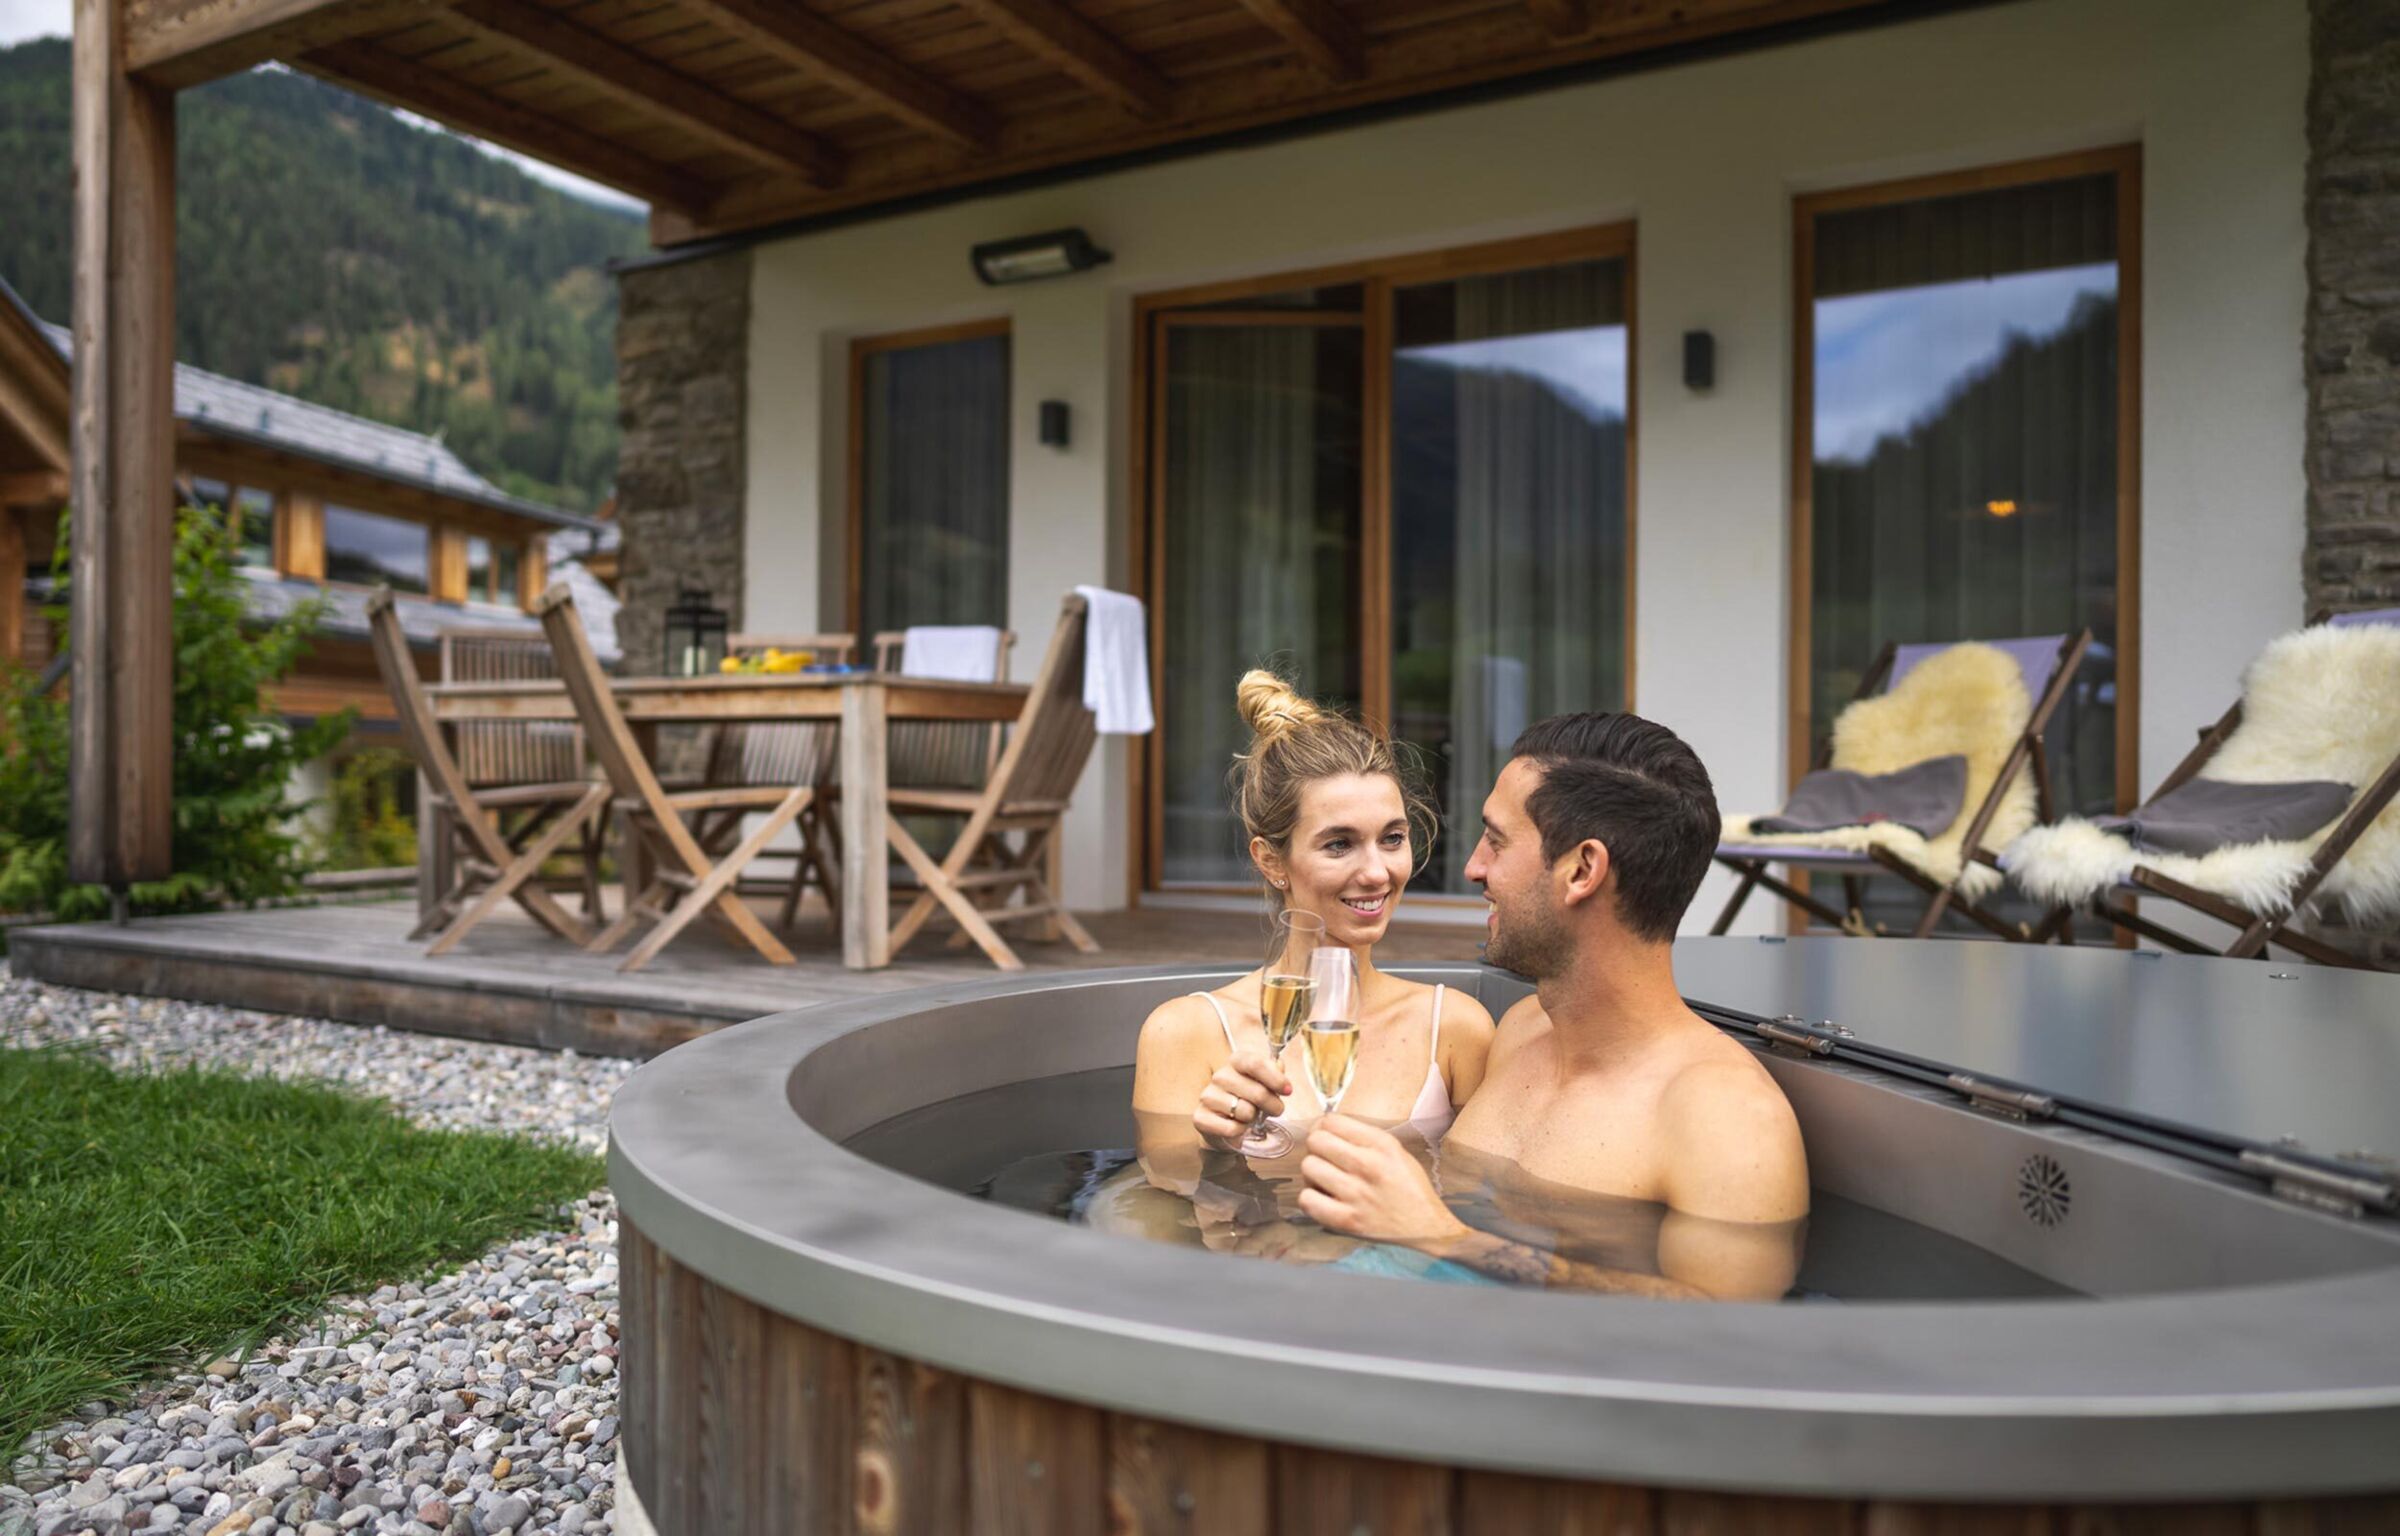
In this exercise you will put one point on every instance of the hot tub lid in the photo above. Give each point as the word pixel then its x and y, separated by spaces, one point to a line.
pixel 2295 1066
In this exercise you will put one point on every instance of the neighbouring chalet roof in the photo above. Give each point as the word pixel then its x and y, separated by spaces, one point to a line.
pixel 345 609
pixel 252 413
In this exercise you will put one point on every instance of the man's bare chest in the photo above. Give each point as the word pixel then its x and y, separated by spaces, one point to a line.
pixel 1601 1137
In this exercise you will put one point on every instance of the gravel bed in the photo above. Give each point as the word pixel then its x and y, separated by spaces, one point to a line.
pixel 480 1403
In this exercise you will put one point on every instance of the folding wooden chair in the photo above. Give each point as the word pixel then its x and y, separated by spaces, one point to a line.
pixel 508 753
pixel 2048 664
pixel 688 878
pixel 1027 793
pixel 941 754
pixel 783 753
pixel 2256 930
pixel 502 834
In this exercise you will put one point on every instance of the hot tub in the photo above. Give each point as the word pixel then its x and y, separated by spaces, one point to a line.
pixel 2176 1151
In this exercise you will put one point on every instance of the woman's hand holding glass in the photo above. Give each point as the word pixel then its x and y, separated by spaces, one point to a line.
pixel 1242 1094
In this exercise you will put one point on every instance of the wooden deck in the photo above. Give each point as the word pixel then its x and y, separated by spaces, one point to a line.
pixel 513 982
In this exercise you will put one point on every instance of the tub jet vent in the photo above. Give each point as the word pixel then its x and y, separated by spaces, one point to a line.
pixel 2043 1192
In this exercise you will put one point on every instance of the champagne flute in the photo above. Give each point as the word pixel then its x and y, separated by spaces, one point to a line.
pixel 1329 1041
pixel 1285 988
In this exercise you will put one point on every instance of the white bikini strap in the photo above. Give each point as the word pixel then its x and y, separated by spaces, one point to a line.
pixel 1433 1052
pixel 1223 1022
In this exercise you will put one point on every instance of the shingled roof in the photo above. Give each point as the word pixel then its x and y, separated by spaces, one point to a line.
pixel 252 413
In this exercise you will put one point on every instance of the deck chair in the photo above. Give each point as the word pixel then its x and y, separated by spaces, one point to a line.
pixel 507 753
pixel 500 835
pixel 787 753
pixel 688 878
pixel 1027 793
pixel 2260 888
pixel 2047 666
pixel 941 754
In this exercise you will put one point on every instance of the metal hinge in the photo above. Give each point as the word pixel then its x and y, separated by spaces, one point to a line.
pixel 1789 1034
pixel 1999 1099
pixel 2321 1189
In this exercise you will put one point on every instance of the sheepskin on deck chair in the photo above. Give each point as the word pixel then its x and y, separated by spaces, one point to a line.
pixel 1987 702
pixel 2319 704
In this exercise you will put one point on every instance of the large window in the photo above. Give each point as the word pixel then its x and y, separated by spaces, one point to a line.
pixel 1967 376
pixel 368 547
pixel 929 525
pixel 1407 489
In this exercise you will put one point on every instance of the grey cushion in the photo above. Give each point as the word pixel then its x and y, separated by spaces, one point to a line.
pixel 1924 797
pixel 2208 814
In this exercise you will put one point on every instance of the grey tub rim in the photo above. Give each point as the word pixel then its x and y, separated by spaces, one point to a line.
pixel 2253 1391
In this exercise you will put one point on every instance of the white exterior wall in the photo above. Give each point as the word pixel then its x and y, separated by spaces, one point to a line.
pixel 1705 158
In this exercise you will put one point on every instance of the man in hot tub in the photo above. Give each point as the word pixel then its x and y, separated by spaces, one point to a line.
pixel 1607 1108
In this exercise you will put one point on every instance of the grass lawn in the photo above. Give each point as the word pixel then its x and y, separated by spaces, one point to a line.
pixel 151 1221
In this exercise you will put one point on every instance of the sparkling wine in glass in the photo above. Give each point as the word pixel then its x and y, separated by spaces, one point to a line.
pixel 1286 989
pixel 1329 1041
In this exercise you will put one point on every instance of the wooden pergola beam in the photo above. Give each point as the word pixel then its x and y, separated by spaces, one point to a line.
pixel 372 71
pixel 187 42
pixel 801 38
pixel 620 72
pixel 1056 33
pixel 120 767
pixel 1562 19
pixel 1323 35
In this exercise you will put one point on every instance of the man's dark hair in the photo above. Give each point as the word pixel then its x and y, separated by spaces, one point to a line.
pixel 1635 788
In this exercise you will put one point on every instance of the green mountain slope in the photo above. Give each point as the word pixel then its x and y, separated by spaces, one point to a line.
pixel 330 249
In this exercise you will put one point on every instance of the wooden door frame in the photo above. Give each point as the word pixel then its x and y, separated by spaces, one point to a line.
pixel 1378 278
pixel 2124 163
pixel 854 489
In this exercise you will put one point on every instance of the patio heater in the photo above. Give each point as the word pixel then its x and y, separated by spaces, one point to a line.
pixel 695 634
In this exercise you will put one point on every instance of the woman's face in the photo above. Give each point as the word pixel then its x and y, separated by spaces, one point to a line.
pixel 1349 858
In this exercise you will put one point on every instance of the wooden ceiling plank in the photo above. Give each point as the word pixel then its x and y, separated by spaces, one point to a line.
pixel 370 71
pixel 627 75
pixel 183 43
pixel 1562 19
pixel 1049 28
pixel 853 67
pixel 1323 35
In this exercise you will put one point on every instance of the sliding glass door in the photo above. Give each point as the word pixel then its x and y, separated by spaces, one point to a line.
pixel 1969 391
pixel 1408 490
pixel 1508 497
pixel 1258 471
pixel 930 444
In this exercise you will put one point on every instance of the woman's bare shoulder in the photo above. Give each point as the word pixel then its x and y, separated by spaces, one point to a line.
pixel 1182 1025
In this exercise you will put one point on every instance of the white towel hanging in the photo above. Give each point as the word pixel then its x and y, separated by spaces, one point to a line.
pixel 1116 663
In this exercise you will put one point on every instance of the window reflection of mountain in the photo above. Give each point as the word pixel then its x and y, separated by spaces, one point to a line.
pixel 1509 542
pixel 1906 547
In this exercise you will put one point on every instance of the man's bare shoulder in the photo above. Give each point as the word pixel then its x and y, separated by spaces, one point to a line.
pixel 1732 1143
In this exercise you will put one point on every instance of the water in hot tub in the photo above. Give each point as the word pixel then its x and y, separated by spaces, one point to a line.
pixel 1069 1148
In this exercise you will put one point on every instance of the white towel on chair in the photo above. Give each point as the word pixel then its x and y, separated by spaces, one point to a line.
pixel 1116 663
pixel 955 653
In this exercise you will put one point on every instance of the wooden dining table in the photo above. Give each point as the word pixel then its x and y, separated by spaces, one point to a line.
pixel 863 704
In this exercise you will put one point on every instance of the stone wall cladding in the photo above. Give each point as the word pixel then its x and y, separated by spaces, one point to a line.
pixel 2353 336
pixel 683 363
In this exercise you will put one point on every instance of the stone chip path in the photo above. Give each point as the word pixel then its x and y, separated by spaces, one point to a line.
pixel 481 1403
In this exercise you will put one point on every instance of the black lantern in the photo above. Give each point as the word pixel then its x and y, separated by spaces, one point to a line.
pixel 695 635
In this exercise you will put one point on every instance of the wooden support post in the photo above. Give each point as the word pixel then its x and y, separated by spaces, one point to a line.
pixel 12 588
pixel 121 758
pixel 866 856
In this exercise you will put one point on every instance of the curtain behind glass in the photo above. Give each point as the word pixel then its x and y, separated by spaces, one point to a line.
pixel 1509 486
pixel 1965 456
pixel 934 485
pixel 1261 491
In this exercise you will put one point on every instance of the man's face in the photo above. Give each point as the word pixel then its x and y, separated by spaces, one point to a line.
pixel 1525 928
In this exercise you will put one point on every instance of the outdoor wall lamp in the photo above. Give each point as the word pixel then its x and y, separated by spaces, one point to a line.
pixel 1030 257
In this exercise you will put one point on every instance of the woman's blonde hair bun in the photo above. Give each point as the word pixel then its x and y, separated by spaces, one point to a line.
pixel 1270 706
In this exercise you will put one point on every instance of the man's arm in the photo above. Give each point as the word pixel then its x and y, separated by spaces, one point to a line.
pixel 1362 1181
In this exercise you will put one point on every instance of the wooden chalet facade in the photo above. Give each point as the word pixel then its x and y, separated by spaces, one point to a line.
pixel 323 505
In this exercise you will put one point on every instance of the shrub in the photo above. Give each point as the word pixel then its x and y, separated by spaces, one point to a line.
pixel 234 758
pixel 367 829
